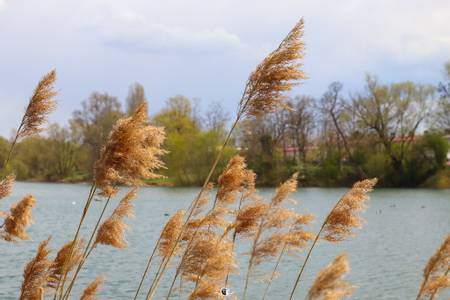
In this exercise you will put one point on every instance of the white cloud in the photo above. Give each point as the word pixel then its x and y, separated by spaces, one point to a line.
pixel 126 29
pixel 2 4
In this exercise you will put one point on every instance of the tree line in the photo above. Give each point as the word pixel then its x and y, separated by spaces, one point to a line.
pixel 397 132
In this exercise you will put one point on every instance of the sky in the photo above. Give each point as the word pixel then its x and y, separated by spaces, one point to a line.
pixel 206 49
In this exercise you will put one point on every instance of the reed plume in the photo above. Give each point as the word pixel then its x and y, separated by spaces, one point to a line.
pixel 132 152
pixel 208 262
pixel 6 186
pixel 166 241
pixel 18 219
pixel 170 233
pixel 285 189
pixel 64 262
pixel 231 180
pixel 342 219
pixel 90 293
pixel 293 241
pixel 36 274
pixel 276 74
pixel 112 231
pixel 435 273
pixel 42 102
pixel 329 283
pixel 206 290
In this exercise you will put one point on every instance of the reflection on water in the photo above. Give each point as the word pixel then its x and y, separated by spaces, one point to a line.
pixel 404 227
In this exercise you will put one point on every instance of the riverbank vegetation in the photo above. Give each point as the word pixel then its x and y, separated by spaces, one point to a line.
pixel 397 132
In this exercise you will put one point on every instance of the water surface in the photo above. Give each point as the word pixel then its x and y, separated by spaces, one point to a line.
pixel 403 229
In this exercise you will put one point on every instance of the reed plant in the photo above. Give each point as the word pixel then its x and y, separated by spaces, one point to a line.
pixel 41 104
pixel 436 275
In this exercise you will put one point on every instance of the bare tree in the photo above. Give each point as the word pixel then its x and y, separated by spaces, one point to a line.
pixel 136 96
pixel 216 116
pixel 394 113
pixel 442 117
pixel 342 117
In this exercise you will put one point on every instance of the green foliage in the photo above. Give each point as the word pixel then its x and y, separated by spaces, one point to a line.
pixel 335 141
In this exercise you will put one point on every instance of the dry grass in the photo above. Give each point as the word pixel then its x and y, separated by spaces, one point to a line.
pixel 436 272
pixel 18 219
pixel 170 233
pixel 112 231
pixel 6 186
pixel 275 75
pixel 63 264
pixel 90 292
pixel 131 153
pixel 42 102
pixel 36 274
pixel 344 217
pixel 329 284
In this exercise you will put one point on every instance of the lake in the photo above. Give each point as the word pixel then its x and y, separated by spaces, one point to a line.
pixel 403 229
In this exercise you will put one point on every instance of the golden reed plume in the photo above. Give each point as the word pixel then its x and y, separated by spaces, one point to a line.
pixel 6 186
pixel 112 231
pixel 131 153
pixel 329 284
pixel 90 293
pixel 18 219
pixel 206 290
pixel 285 189
pixel 64 262
pixel 36 274
pixel 436 273
pixel 170 233
pixel 231 180
pixel 41 104
pixel 294 240
pixel 276 74
pixel 166 242
pixel 342 219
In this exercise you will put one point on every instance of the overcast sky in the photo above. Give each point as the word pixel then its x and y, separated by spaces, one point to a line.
pixel 206 49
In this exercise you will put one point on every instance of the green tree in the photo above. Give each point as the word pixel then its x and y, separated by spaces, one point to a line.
pixel 190 150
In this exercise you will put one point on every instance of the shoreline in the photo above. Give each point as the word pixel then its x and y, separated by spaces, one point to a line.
pixel 168 184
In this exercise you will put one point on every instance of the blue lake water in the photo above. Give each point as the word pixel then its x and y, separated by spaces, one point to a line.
pixel 403 229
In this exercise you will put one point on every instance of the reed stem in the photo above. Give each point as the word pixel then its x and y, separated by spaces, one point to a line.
pixel 86 251
pixel 274 272
pixel 147 267
pixel 252 257
pixel 310 250
pixel 234 239
pixel 435 291
pixel 83 216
